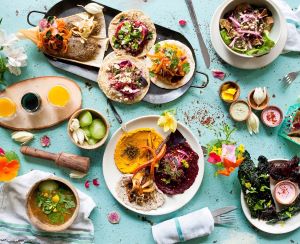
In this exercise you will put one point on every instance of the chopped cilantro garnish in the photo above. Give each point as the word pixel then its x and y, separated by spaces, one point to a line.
pixel 186 67
pixel 149 36
pixel 151 73
pixel 156 48
pixel 174 63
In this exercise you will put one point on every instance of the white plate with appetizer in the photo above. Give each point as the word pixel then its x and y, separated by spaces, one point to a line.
pixel 277 209
pixel 240 42
pixel 152 172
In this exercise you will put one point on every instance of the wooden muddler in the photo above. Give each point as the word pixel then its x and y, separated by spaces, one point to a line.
pixel 70 161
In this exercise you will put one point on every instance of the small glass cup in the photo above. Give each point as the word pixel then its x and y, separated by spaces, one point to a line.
pixel 31 102
pixel 58 96
pixel 8 108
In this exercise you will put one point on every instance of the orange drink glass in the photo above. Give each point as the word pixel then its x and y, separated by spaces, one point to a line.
pixel 58 96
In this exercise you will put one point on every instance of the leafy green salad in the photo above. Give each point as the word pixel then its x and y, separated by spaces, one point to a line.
pixel 246 30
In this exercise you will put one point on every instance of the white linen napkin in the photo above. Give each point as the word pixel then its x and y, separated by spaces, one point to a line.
pixel 14 223
pixel 187 227
pixel 293 25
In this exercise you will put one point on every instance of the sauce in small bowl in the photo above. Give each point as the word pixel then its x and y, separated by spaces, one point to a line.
pixel 272 116
pixel 286 192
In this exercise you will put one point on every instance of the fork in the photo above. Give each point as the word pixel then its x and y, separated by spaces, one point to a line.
pixel 228 218
pixel 290 77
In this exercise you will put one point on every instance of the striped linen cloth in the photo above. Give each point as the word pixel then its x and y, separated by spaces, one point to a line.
pixel 14 223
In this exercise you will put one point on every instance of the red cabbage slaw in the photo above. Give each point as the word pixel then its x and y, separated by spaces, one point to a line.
pixel 126 79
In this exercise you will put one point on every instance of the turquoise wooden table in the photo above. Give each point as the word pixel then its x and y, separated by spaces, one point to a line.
pixel 200 110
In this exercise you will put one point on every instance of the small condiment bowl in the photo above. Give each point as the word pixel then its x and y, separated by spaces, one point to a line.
pixel 46 226
pixel 268 108
pixel 231 110
pixel 254 105
pixel 234 85
pixel 95 114
pixel 290 183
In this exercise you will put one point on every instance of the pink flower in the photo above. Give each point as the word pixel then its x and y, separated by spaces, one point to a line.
pixel 43 24
pixel 114 217
pixel 96 182
pixel 218 74
pixel 228 152
pixel 2 153
pixel 45 141
pixel 214 158
pixel 182 22
pixel 87 184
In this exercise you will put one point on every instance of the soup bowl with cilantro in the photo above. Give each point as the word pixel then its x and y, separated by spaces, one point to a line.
pixel 52 204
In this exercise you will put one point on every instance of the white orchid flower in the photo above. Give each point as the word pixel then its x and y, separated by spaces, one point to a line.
pixel 7 40
pixel 16 58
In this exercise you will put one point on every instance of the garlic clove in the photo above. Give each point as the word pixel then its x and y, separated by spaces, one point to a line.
pixel 80 135
pixel 92 8
pixel 253 124
pixel 74 125
pixel 22 136
pixel 76 174
pixel 259 95
pixel 75 137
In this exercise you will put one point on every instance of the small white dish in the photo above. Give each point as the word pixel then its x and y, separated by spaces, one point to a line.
pixel 239 61
pixel 278 228
pixel 112 175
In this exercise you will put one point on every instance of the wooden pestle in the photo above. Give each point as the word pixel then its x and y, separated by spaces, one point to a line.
pixel 71 161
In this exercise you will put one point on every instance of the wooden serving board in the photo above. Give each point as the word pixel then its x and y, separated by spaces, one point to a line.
pixel 48 115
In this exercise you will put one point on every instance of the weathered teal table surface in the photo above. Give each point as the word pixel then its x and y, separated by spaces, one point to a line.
pixel 195 109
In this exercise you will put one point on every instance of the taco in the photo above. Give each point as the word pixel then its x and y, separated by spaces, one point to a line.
pixel 131 32
pixel 178 168
pixel 79 38
pixel 171 64
pixel 124 78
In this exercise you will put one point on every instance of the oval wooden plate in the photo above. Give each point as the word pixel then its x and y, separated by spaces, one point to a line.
pixel 48 115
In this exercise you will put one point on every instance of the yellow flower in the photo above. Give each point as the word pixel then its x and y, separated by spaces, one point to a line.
pixel 167 121
pixel 55 198
pixel 241 148
pixel 217 150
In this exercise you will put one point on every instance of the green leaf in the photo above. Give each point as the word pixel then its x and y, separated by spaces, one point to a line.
pixel 149 36
pixel 225 37
pixel 186 68
pixel 10 155
pixel 263 49
pixel 174 63
pixel 151 73
pixel 156 48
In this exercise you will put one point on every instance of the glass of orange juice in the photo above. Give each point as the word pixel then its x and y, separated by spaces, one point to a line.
pixel 8 108
pixel 58 96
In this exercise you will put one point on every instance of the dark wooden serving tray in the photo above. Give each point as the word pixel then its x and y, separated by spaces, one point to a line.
pixel 155 95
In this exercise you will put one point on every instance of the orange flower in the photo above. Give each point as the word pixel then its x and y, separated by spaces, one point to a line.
pixel 8 170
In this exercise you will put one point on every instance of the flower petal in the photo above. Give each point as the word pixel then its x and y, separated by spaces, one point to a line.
pixel 87 184
pixel 96 182
pixel 214 158
pixel 45 141
pixel 114 217
pixel 218 74
pixel 182 22
pixel 1 152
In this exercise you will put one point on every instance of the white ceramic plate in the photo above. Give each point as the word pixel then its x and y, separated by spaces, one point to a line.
pixel 112 175
pixel 279 228
pixel 243 62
